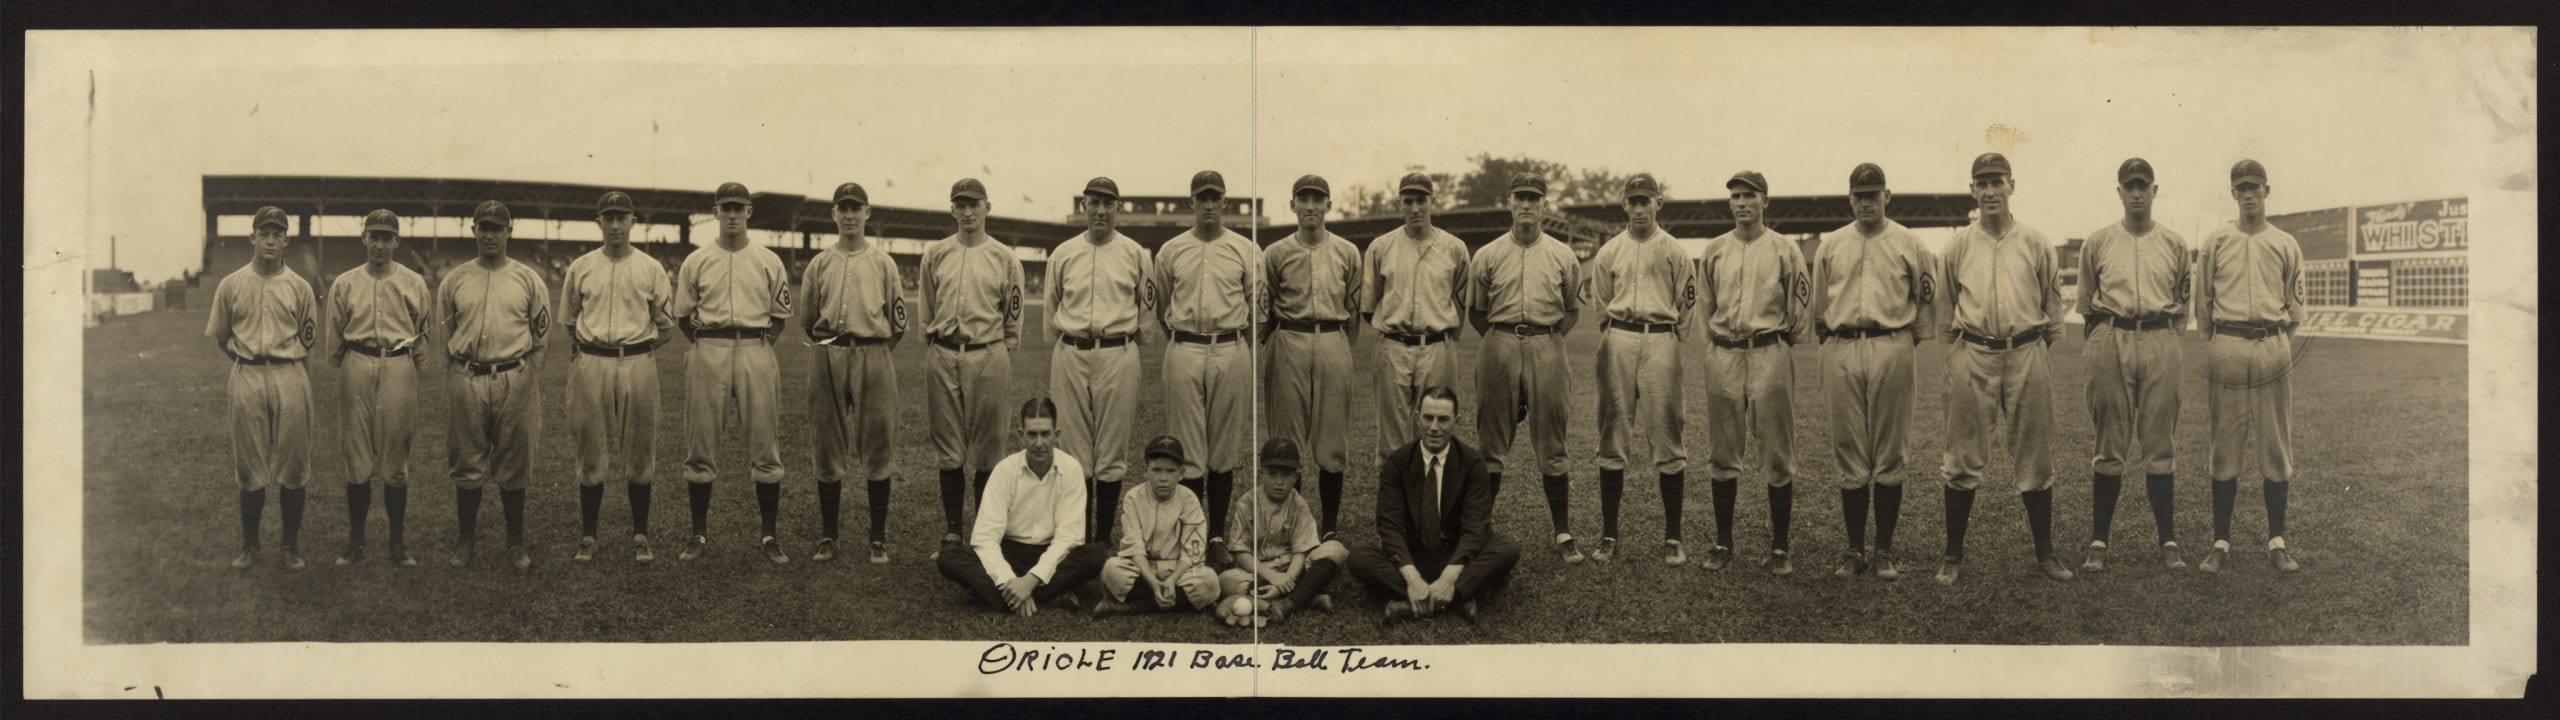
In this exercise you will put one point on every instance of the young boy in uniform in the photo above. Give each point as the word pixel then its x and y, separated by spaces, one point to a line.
pixel 1281 562
pixel 1163 542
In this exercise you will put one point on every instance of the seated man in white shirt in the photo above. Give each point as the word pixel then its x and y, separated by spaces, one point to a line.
pixel 1027 548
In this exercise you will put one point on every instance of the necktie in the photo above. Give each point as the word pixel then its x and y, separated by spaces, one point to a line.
pixel 1435 485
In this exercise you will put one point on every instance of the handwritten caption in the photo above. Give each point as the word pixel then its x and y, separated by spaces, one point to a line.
pixel 1005 657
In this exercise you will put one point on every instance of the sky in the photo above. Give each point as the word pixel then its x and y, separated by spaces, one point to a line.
pixel 2339 116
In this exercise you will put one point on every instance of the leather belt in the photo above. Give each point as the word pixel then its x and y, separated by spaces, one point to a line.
pixel 730 333
pixel 1862 333
pixel 2007 343
pixel 2247 332
pixel 1521 329
pixel 2155 322
pixel 848 340
pixel 480 368
pixel 264 361
pixel 957 346
pixel 1665 327
pixel 1093 343
pixel 1761 340
pixel 363 349
pixel 1211 339
pixel 618 351
pixel 1419 339
pixel 1314 326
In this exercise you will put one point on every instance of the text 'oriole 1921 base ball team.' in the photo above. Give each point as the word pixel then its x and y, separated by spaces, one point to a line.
pixel 1231 319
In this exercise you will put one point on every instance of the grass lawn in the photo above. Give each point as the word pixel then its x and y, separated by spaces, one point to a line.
pixel 2378 518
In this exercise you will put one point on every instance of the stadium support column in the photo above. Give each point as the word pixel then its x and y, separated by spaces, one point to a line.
pixel 212 230
pixel 684 234
pixel 310 247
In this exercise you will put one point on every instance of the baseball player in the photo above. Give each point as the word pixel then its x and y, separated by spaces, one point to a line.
pixel 2003 303
pixel 732 299
pixel 1415 296
pixel 1286 566
pixel 379 312
pixel 1755 306
pixel 1646 284
pixel 1315 278
pixel 264 320
pixel 1211 279
pixel 496 313
pixel 2134 280
pixel 2251 298
pixel 1164 545
pixel 1523 294
pixel 855 318
pixel 972 292
pixel 1873 297
pixel 1098 296
pixel 614 308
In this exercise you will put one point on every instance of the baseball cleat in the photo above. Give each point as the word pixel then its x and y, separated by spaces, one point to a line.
pixel 2053 569
pixel 2097 560
pixel 1851 563
pixel 640 550
pixel 1673 555
pixel 524 558
pixel 949 541
pixel 1885 566
pixel 352 555
pixel 694 549
pixel 1467 611
pixel 1218 555
pixel 2282 559
pixel 1322 603
pixel 773 551
pixel 879 553
pixel 826 550
pixel 462 555
pixel 401 557
pixel 586 549
pixel 1948 570
pixel 1607 551
pixel 246 559
pixel 2212 562
pixel 293 560
pixel 2169 557
pixel 1780 564
pixel 1718 557
pixel 1107 607
pixel 1565 548
pixel 1067 601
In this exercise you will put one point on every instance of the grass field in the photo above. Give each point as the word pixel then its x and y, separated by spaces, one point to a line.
pixel 2378 518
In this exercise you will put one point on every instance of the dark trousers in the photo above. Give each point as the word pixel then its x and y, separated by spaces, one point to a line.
pixel 1482 575
pixel 1081 565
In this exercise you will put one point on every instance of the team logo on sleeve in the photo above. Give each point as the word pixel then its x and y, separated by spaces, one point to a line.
pixel 310 333
pixel 1146 293
pixel 896 309
pixel 782 297
pixel 1928 289
pixel 540 321
pixel 1013 305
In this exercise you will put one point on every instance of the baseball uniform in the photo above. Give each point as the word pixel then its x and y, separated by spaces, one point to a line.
pixel 1526 289
pixel 379 321
pixel 2133 303
pixel 2002 302
pixel 856 316
pixel 266 324
pixel 1170 537
pixel 495 323
pixel 972 294
pixel 1212 305
pixel 1284 543
pixel 2251 298
pixel 735 301
pixel 1307 388
pixel 1646 286
pixel 1753 301
pixel 616 311
pixel 1415 296
pixel 1873 296
pixel 1097 302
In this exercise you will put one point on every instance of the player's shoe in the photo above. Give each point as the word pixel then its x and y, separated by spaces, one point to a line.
pixel 1467 611
pixel 293 559
pixel 826 550
pixel 2053 569
pixel 2283 561
pixel 1673 554
pixel 950 541
pixel 879 553
pixel 1948 570
pixel 1565 548
pixel 1886 567
pixel 524 558
pixel 2169 557
pixel 694 548
pixel 1278 609
pixel 2097 560
pixel 352 555
pixel 1780 564
pixel 1718 557
pixel 2213 558
pixel 400 556
pixel 248 557
pixel 1607 551
pixel 1067 601
pixel 1323 603
pixel 1851 563
pixel 1219 558
pixel 1107 607
pixel 586 549
pixel 773 551
pixel 1399 611
pixel 462 555
pixel 640 550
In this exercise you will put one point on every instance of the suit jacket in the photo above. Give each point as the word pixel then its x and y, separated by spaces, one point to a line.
pixel 1411 530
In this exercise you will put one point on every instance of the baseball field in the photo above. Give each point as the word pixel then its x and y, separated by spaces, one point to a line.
pixel 2378 518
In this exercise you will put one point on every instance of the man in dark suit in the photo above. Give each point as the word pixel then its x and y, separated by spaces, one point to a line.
pixel 1436 546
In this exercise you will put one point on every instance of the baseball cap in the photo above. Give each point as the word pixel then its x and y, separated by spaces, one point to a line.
pixel 1207 180
pixel 493 211
pixel 1164 446
pixel 2248 171
pixel 1866 177
pixel 852 191
pixel 969 188
pixel 1643 185
pixel 1414 182
pixel 2134 168
pixel 615 200
pixel 1280 452
pixel 1750 179
pixel 1529 182
pixel 1990 163
pixel 269 215
pixel 1311 182
pixel 730 192
pixel 383 220
pixel 1102 186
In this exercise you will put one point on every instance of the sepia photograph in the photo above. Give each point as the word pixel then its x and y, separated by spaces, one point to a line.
pixel 2138 362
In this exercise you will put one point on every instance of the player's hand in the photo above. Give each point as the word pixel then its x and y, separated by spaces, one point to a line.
pixel 1419 594
pixel 1445 591
pixel 1164 596
pixel 1017 592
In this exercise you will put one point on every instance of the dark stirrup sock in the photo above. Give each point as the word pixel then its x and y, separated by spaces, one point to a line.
pixel 2276 492
pixel 2103 490
pixel 1559 501
pixel 1853 513
pixel 1725 492
pixel 359 507
pixel 590 505
pixel 511 503
pixel 698 501
pixel 878 490
pixel 2040 519
pixel 639 494
pixel 467 513
pixel 292 507
pixel 2225 494
pixel 1675 495
pixel 955 489
pixel 2163 490
pixel 1613 492
pixel 1782 511
pixel 1959 514
pixel 1888 511
pixel 768 502
pixel 253 505
pixel 1329 494
pixel 830 508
